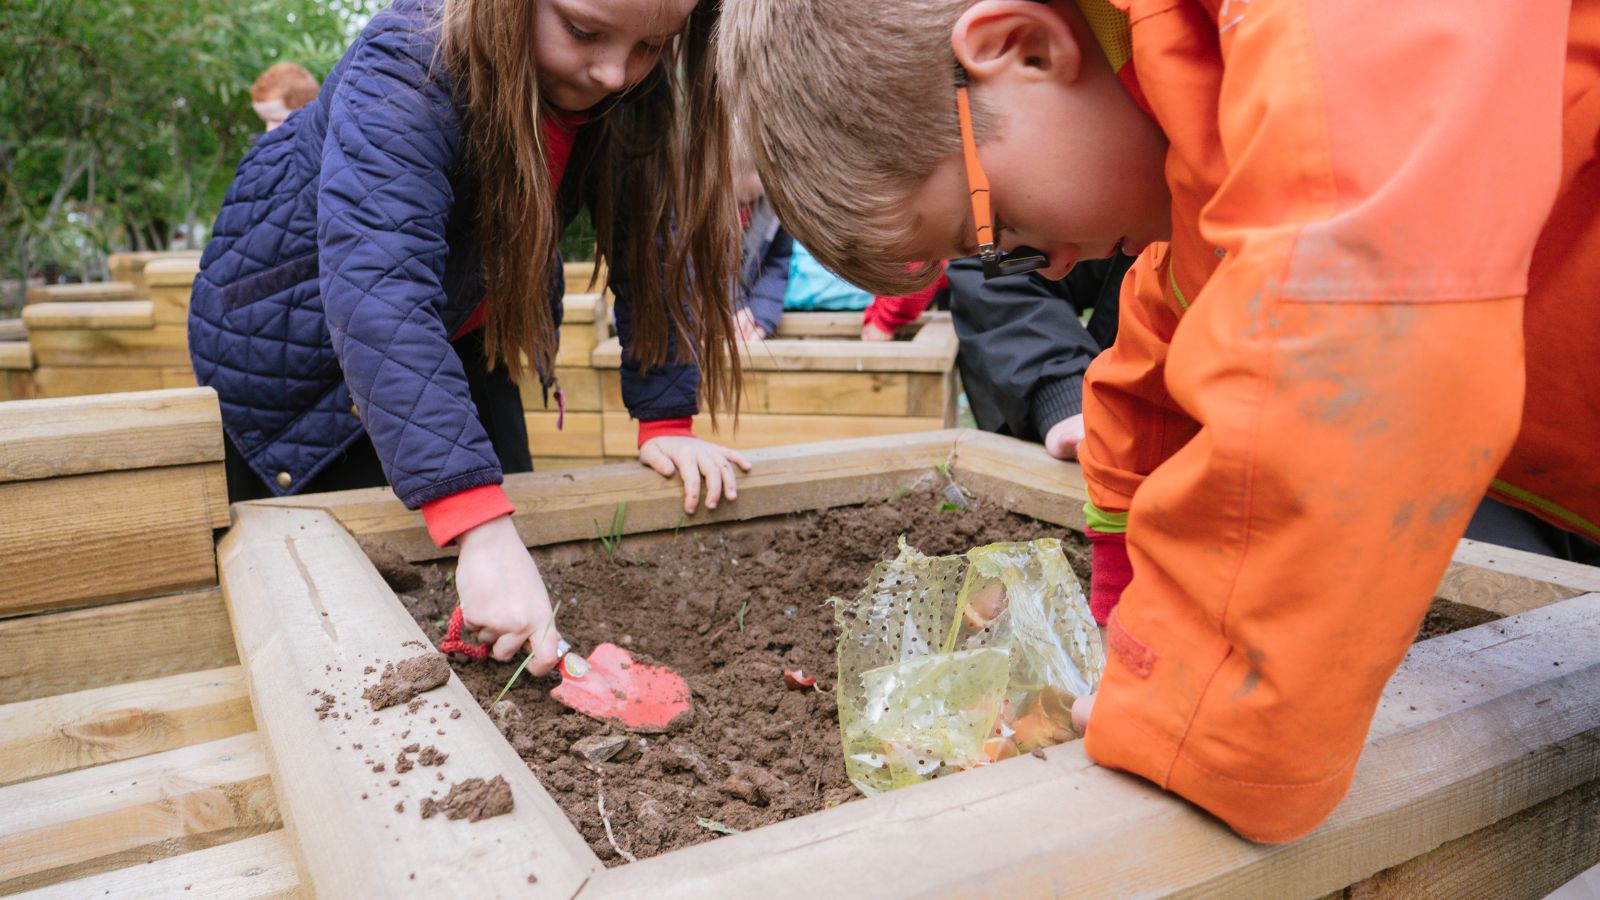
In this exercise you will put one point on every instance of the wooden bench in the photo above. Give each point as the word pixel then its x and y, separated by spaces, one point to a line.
pixel 130 267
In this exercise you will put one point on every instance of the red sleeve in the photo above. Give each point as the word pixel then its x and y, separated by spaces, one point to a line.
pixel 889 313
pixel 683 427
pixel 450 517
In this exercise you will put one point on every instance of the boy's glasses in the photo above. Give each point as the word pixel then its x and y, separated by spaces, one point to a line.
pixel 995 264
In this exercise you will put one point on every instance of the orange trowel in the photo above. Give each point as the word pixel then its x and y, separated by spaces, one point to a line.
pixel 608 685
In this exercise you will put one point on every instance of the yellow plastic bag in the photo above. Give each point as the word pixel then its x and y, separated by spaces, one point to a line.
pixel 951 662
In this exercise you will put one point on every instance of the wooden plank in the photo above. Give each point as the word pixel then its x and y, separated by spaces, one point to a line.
pixel 74 731
pixel 311 614
pixel 13 330
pixel 1525 856
pixel 160 345
pixel 798 355
pixel 1518 731
pixel 113 644
pixel 16 355
pixel 257 868
pixel 85 292
pixel 51 438
pixel 1510 581
pixel 172 270
pixel 1021 477
pixel 756 430
pixel 16 384
pixel 578 277
pixel 563 506
pixel 566 463
pixel 134 812
pixel 933 395
pixel 86 539
pixel 580 384
pixel 806 393
pixel 577 344
pixel 78 381
pixel 136 314
pixel 579 435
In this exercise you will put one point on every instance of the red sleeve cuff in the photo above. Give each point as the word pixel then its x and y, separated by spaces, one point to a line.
pixel 889 313
pixel 683 427
pixel 450 517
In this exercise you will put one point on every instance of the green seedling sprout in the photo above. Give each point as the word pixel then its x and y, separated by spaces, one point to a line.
pixel 947 506
pixel 742 607
pixel 899 493
pixel 682 518
pixel 518 673
pixel 612 540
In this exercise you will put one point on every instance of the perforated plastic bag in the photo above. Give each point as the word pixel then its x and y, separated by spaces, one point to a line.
pixel 951 662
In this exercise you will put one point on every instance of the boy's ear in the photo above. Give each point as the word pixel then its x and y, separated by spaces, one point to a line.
pixel 1023 37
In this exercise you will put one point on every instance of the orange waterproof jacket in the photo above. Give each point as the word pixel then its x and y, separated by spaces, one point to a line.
pixel 1318 378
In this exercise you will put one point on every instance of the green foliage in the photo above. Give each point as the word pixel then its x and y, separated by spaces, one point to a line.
pixel 123 120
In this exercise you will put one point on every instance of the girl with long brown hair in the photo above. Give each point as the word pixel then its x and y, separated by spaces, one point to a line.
pixel 385 267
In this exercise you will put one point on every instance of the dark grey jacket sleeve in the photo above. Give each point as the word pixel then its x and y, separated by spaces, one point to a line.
pixel 1024 348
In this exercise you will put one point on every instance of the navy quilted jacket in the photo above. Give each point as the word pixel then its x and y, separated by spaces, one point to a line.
pixel 345 255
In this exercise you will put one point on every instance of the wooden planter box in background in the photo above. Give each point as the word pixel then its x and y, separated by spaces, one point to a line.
pixel 86 292
pixel 816 380
pixel 129 267
pixel 16 370
pixel 113 346
pixel 578 442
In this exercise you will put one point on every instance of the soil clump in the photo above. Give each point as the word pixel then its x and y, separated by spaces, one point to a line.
pixel 401 682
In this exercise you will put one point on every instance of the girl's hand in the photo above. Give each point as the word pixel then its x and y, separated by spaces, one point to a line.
pixel 744 321
pixel 874 334
pixel 693 459
pixel 503 599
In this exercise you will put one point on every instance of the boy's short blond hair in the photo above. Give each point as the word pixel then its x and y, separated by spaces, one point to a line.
pixel 846 110
pixel 287 82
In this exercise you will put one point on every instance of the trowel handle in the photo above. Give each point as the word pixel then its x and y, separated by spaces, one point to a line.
pixel 570 664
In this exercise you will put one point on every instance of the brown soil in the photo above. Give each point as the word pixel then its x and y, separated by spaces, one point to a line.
pixel 1445 616
pixel 730 611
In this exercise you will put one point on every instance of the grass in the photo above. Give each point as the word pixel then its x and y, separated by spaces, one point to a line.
pixel 899 493
pixel 612 540
pixel 518 673
pixel 742 607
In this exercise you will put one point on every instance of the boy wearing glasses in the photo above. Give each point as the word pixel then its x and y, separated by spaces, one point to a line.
pixel 1319 369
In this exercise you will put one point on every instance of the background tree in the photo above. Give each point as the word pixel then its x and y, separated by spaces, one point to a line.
pixel 121 121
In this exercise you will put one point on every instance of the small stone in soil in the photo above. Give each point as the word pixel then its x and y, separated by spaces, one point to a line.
pixel 473 800
pixel 599 748
pixel 402 681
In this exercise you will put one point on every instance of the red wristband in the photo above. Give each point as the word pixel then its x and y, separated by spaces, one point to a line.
pixel 450 517
pixel 683 427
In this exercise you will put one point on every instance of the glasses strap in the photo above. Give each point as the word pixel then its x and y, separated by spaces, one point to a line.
pixel 977 180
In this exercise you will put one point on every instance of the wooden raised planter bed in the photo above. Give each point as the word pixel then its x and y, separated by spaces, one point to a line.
pixel 816 380
pixel 129 760
pixel 1481 769
pixel 111 346
pixel 16 369
pixel 130 267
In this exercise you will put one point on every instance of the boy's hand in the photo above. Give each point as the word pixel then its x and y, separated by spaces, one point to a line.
pixel 744 321
pixel 871 332
pixel 1081 709
pixel 695 459
pixel 1064 437
pixel 503 599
